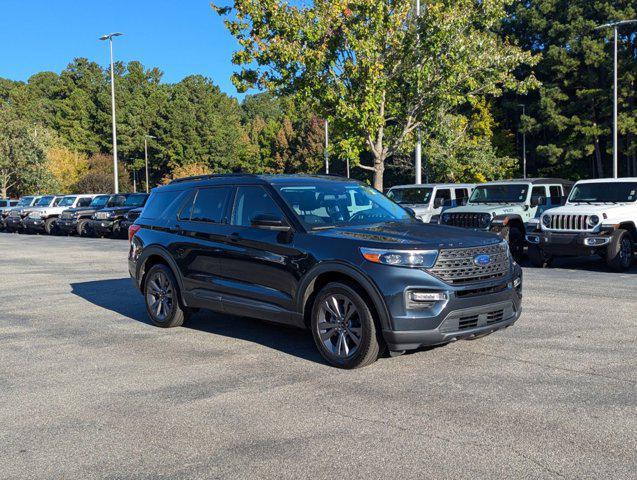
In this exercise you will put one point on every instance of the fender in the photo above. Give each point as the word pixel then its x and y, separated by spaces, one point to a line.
pixel 156 250
pixel 501 221
pixel 306 287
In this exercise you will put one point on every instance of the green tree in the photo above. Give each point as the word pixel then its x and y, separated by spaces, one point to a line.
pixel 371 67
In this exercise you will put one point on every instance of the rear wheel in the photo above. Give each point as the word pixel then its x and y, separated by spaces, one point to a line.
pixel 344 328
pixel 619 254
pixel 538 258
pixel 161 294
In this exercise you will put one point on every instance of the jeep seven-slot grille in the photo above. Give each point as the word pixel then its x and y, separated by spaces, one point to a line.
pixel 569 222
pixel 102 215
pixel 459 266
pixel 465 220
pixel 66 215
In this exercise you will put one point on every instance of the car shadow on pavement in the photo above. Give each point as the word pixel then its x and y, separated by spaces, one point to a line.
pixel 120 296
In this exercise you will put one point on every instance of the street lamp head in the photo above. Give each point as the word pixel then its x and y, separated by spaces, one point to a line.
pixel 111 35
pixel 616 24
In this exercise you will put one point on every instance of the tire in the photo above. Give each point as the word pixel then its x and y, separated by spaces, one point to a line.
pixel 160 285
pixel 514 238
pixel 80 228
pixel 49 226
pixel 619 254
pixel 346 338
pixel 538 258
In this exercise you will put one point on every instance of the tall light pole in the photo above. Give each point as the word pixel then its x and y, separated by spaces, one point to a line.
pixel 146 137
pixel 327 145
pixel 109 37
pixel 615 26
pixel 523 143
pixel 418 151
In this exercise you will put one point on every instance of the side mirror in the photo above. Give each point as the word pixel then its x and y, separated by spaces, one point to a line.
pixel 438 202
pixel 269 222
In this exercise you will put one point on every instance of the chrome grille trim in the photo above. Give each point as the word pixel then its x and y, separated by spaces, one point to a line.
pixel 102 215
pixel 456 266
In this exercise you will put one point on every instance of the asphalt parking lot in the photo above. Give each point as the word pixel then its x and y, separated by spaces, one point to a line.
pixel 88 389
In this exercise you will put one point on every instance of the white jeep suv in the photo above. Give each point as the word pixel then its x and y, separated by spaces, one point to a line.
pixel 599 218
pixel 43 218
pixel 429 200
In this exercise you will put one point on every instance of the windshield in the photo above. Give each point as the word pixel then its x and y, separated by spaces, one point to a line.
pixel 67 202
pixel 116 200
pixel 44 201
pixel 499 194
pixel 604 192
pixel 25 201
pixel 135 200
pixel 340 204
pixel 411 195
pixel 99 201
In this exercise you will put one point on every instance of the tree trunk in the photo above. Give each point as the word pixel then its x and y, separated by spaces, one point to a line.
pixel 598 159
pixel 3 192
pixel 379 172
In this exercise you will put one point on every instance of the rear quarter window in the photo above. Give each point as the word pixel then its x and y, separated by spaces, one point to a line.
pixel 159 202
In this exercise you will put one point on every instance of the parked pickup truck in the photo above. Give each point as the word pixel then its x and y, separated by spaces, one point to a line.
pixel 505 207
pixel 43 219
pixel 428 201
pixel 75 220
pixel 108 221
pixel 13 222
pixel 599 218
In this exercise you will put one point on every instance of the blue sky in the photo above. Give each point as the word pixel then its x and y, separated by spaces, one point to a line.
pixel 180 37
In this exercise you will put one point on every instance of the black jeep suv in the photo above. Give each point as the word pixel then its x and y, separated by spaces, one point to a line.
pixel 108 221
pixel 75 220
pixel 331 255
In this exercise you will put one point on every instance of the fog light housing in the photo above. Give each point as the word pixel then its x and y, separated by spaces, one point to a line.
pixel 596 241
pixel 424 299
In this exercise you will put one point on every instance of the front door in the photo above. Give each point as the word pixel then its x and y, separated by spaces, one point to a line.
pixel 258 271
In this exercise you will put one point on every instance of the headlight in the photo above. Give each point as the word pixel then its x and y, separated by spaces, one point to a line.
pixel 401 258
pixel 546 220
pixel 446 217
pixel 434 219
pixel 593 220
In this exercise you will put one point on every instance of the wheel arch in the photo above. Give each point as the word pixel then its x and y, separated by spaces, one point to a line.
pixel 326 273
pixel 630 228
pixel 508 220
pixel 152 256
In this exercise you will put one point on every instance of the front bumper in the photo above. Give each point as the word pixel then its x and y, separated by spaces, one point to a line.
pixel 467 311
pixel 66 225
pixel 34 224
pixel 14 223
pixel 103 227
pixel 569 243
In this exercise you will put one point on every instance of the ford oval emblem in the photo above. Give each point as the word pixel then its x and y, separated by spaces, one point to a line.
pixel 482 260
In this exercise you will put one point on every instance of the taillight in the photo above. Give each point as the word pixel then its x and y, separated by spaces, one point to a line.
pixel 132 230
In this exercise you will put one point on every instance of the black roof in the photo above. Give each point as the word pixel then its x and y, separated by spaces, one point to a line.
pixel 536 181
pixel 239 178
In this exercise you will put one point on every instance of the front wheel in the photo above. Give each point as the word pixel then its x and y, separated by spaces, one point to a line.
pixel 161 293
pixel 619 254
pixel 538 258
pixel 49 226
pixel 344 328
pixel 81 228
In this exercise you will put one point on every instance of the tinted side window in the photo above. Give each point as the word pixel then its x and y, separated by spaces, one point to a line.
pixel 445 194
pixel 556 194
pixel 158 202
pixel 462 194
pixel 252 201
pixel 210 204
pixel 84 202
pixel 538 192
pixel 56 201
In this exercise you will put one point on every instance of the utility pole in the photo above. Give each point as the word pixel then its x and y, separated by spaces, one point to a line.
pixel 146 137
pixel 418 151
pixel 109 37
pixel 615 26
pixel 327 145
pixel 523 142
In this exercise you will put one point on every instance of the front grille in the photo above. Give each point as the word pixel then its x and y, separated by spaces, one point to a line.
pixel 465 220
pixel 458 266
pixel 468 322
pixel 66 215
pixel 479 317
pixel 495 317
pixel 476 292
pixel 102 215
pixel 471 321
pixel 569 222
pixel 15 213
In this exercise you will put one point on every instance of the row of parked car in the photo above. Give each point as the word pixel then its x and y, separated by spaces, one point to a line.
pixel 85 215
pixel 550 217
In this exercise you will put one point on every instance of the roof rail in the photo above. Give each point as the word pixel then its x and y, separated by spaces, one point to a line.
pixel 211 175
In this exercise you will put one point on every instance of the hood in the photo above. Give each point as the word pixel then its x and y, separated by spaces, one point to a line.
pixel 82 210
pixel 492 208
pixel 117 210
pixel 591 209
pixel 412 235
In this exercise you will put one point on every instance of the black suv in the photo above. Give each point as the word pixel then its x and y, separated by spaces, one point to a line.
pixel 108 221
pixel 75 220
pixel 332 255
